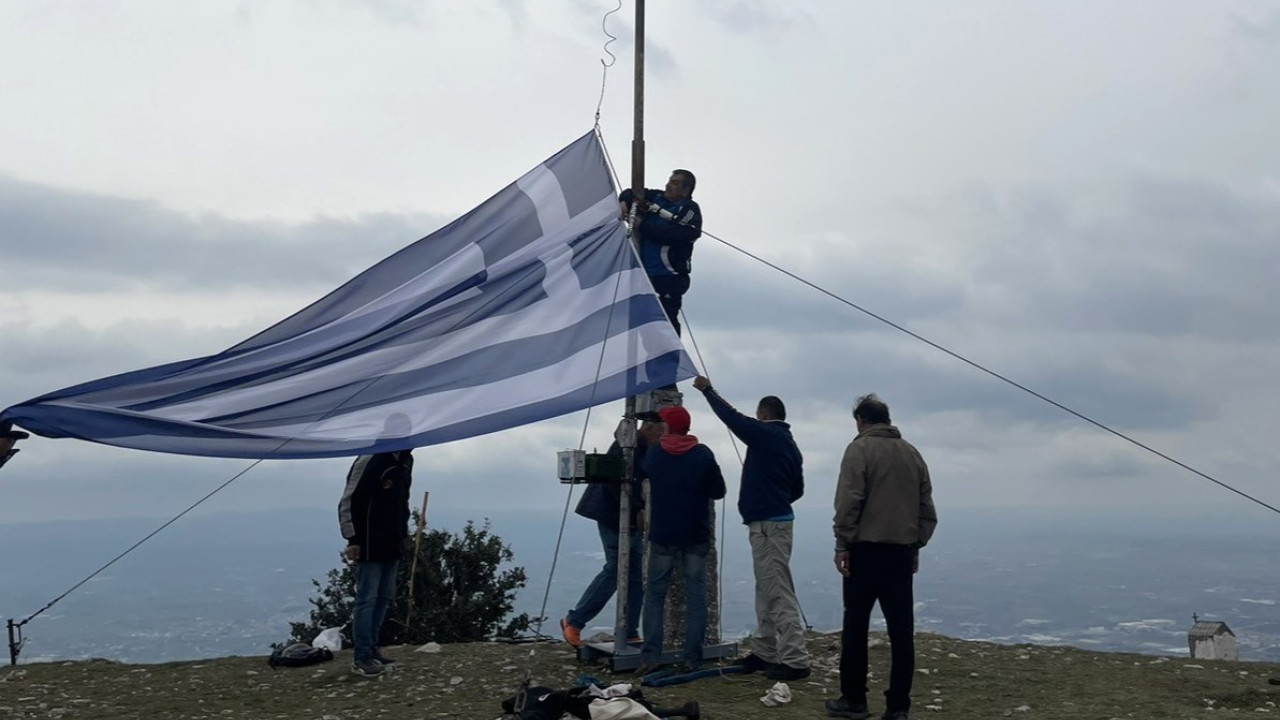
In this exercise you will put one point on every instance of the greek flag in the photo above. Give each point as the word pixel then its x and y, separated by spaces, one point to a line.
pixel 530 306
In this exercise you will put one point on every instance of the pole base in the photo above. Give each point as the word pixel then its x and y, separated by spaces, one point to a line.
pixel 629 657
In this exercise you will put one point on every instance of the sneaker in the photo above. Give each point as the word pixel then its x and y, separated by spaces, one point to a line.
pixel 842 708
pixel 786 673
pixel 647 669
pixel 754 663
pixel 635 640
pixel 572 635
pixel 367 668
pixel 383 659
pixel 895 715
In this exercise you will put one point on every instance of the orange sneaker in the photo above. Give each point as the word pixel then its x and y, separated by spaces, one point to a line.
pixel 635 640
pixel 572 635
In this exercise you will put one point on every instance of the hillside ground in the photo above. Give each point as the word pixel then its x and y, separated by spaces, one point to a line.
pixel 955 679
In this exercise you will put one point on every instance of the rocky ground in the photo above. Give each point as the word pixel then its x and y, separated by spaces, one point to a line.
pixel 955 679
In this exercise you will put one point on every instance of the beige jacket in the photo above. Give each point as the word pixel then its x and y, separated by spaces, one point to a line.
pixel 883 494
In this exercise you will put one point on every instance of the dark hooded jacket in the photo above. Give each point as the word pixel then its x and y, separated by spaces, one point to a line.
pixel 683 478
pixel 374 510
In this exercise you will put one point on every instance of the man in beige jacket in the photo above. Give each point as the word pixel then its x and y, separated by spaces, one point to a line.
pixel 884 515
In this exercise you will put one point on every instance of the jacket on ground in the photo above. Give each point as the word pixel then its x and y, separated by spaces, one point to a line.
pixel 374 510
pixel 883 494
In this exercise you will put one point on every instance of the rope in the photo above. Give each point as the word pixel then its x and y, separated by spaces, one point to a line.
pixel 993 373
pixel 582 441
pixel 604 72
pixel 152 534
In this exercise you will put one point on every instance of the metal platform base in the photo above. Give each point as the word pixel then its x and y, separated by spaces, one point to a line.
pixel 629 657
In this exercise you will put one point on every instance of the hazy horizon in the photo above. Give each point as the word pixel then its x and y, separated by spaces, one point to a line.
pixel 228 583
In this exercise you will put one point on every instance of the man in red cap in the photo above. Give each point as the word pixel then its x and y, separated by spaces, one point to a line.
pixel 684 479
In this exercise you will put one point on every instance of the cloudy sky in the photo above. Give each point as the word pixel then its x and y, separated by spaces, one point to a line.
pixel 1084 197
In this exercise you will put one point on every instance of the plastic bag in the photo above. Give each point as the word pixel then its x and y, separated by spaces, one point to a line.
pixel 329 638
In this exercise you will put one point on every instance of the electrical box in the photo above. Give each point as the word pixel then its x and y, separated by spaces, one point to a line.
pixel 605 468
pixel 577 466
pixel 572 466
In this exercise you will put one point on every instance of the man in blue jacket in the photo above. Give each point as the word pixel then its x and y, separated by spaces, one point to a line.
pixel 374 517
pixel 601 502
pixel 683 480
pixel 772 479
pixel 668 221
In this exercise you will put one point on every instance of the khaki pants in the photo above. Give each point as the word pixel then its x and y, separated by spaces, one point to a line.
pixel 779 638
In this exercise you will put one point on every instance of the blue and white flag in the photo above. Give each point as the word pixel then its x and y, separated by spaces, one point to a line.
pixel 531 306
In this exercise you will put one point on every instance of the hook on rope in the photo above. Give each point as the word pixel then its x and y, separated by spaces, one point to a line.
pixel 604 72
pixel 604 27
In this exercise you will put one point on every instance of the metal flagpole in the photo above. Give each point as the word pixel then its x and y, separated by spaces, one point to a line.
pixel 628 441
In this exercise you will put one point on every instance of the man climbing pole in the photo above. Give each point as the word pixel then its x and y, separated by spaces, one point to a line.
pixel 667 223
pixel 772 479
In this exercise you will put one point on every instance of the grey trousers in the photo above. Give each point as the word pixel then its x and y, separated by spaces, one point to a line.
pixel 779 637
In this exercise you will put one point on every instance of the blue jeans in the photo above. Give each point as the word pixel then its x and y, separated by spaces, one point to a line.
pixel 375 589
pixel 602 588
pixel 662 562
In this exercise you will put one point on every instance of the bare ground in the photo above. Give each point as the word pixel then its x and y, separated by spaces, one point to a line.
pixel 955 679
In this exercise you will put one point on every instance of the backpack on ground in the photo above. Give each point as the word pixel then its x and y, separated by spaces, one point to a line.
pixel 298 655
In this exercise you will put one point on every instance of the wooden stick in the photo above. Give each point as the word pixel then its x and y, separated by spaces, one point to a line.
pixel 417 548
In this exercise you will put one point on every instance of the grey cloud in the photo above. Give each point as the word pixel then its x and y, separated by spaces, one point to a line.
pixel 1151 265
pixel 1265 30
pixel 761 17
pixel 74 241
pixel 40 359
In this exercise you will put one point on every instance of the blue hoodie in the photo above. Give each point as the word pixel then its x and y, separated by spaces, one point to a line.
pixel 683 478
pixel 666 246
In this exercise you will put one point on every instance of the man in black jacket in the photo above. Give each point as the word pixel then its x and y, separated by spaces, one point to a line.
pixel 600 502
pixel 374 517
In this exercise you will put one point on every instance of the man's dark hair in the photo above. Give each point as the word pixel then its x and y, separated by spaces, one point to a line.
pixel 771 406
pixel 687 179
pixel 871 410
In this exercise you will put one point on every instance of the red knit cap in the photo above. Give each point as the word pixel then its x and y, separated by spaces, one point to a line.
pixel 676 418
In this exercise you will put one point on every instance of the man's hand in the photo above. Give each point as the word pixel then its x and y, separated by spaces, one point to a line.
pixel 915 561
pixel 842 562
pixel 701 383
pixel 353 552
pixel 640 523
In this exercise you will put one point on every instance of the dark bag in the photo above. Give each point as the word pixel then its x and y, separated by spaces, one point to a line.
pixel 298 655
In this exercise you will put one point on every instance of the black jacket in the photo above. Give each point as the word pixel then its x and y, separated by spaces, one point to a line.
pixel 600 501
pixel 374 511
